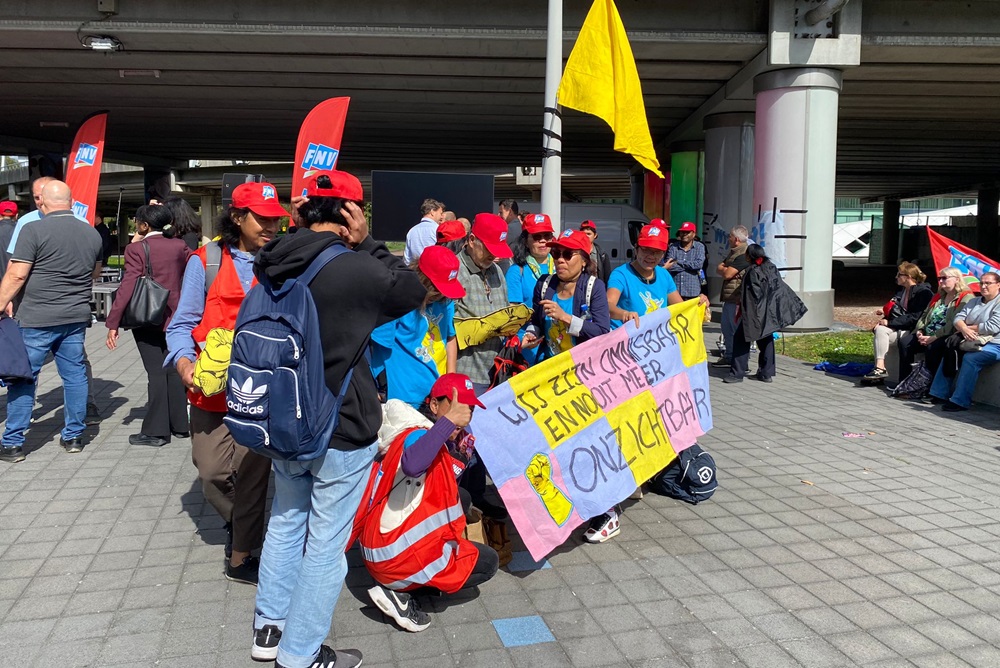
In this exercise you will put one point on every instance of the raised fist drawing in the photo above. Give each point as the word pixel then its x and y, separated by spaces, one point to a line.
pixel 539 474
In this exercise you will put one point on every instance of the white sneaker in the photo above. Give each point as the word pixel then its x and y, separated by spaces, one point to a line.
pixel 603 527
pixel 401 608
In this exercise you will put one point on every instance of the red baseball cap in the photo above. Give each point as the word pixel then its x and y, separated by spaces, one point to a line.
pixel 440 265
pixel 654 236
pixel 538 223
pixel 342 184
pixel 688 227
pixel 261 198
pixel 8 208
pixel 450 230
pixel 444 385
pixel 491 229
pixel 588 225
pixel 575 240
pixel 659 222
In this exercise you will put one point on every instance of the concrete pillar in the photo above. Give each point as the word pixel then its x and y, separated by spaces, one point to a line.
pixel 987 230
pixel 728 186
pixel 890 231
pixel 795 158
pixel 686 172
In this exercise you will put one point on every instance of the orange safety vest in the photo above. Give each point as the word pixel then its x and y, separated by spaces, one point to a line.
pixel 222 305
pixel 426 549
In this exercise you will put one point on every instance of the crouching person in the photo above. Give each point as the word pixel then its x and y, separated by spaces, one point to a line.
pixel 413 514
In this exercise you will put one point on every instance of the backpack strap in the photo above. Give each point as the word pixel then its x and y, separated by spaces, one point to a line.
pixel 545 285
pixel 590 289
pixel 213 259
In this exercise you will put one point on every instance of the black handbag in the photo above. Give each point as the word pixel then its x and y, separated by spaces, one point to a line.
pixel 148 305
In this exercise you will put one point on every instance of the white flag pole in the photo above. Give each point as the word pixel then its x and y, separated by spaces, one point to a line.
pixel 552 120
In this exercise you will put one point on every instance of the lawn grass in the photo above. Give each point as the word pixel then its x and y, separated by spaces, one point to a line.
pixel 836 347
pixel 395 245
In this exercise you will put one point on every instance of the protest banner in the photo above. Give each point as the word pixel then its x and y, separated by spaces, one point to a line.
pixel 572 436
pixel 83 171
pixel 949 253
pixel 318 145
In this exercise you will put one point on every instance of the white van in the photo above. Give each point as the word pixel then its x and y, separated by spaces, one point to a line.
pixel 618 227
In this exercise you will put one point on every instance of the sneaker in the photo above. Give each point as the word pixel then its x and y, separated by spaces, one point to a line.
pixel 330 658
pixel 952 407
pixel 603 527
pixel 265 643
pixel 762 378
pixel 876 374
pixel 722 363
pixel 93 415
pixel 245 573
pixel 732 379
pixel 73 445
pixel 11 455
pixel 401 607
pixel 145 439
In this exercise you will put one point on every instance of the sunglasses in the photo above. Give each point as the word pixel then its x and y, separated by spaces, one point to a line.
pixel 544 236
pixel 987 283
pixel 562 254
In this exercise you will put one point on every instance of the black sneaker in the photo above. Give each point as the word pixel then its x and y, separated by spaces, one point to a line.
pixel 330 658
pixel 732 379
pixel 12 455
pixel 952 407
pixel 722 363
pixel 93 415
pixel 265 643
pixel 145 439
pixel 401 607
pixel 246 572
pixel 876 375
pixel 762 378
pixel 73 445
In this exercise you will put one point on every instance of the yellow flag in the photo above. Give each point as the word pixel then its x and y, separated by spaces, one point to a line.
pixel 601 79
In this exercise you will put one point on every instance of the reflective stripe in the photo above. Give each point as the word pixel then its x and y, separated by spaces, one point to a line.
pixel 425 575
pixel 413 535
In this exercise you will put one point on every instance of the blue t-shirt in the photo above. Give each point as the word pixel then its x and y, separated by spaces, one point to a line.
pixel 638 294
pixel 557 336
pixel 411 350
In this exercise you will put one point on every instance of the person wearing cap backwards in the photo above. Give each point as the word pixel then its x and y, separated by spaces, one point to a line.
pixel 531 262
pixel 417 348
pixel 403 550
pixel 8 220
pixel 686 261
pixel 597 256
pixel 451 234
pixel 573 306
pixel 234 480
pixel 303 563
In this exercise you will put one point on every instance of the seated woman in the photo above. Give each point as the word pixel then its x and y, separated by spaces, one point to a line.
pixel 935 324
pixel 899 316
pixel 413 513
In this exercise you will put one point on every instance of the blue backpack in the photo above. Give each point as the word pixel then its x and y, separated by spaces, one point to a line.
pixel 278 402
pixel 691 477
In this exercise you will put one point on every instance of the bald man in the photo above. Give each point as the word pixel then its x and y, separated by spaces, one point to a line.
pixel 53 267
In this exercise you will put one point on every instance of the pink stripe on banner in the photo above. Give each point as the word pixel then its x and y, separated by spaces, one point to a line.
pixel 608 370
pixel 676 404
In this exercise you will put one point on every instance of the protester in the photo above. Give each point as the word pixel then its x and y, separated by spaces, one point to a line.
pixel 53 266
pixel 531 261
pixel 302 572
pixel 978 324
pixel 899 315
pixel 767 305
pixel 8 221
pixel 187 223
pixel 935 324
pixel 485 292
pixel 451 234
pixel 417 348
pixel 507 209
pixel 686 261
pixel 731 270
pixel 403 549
pixel 166 407
pixel 107 243
pixel 423 234
pixel 598 257
pixel 234 480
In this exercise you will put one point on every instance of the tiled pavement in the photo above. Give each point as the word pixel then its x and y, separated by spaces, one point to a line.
pixel 818 550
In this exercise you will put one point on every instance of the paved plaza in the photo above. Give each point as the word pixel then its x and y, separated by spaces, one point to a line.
pixel 818 550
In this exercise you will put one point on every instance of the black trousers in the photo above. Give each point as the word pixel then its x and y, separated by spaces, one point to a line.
pixel 166 410
pixel 741 354
pixel 908 347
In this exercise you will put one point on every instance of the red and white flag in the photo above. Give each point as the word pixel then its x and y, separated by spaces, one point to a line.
pixel 83 171
pixel 318 146
pixel 948 253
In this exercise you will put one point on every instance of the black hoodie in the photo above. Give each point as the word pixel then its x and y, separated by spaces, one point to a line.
pixel 354 294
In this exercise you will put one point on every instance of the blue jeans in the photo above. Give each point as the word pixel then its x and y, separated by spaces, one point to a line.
pixel 297 592
pixel 729 327
pixel 66 344
pixel 968 374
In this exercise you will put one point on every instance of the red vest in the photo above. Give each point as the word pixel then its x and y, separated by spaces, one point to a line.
pixel 222 304
pixel 426 549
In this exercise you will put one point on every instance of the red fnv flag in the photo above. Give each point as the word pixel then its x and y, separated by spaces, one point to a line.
pixel 948 253
pixel 83 171
pixel 318 146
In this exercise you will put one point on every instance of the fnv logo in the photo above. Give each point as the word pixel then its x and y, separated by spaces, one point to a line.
pixel 85 156
pixel 246 394
pixel 319 156
pixel 267 192
pixel 654 231
pixel 453 274
pixel 80 210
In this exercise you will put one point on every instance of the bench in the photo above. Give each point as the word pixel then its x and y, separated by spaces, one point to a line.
pixel 987 387
pixel 103 293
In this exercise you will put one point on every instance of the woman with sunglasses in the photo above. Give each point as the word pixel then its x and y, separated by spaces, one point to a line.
pixel 570 307
pixel 531 262
pixel 899 316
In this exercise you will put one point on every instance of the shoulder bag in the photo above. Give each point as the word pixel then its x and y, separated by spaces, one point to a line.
pixel 148 305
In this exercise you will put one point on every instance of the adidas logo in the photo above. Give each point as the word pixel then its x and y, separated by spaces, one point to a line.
pixel 246 394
